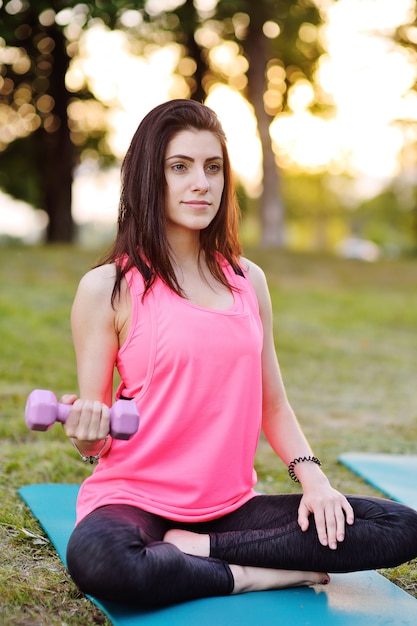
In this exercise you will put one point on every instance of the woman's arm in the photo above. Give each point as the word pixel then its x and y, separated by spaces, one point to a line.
pixel 285 436
pixel 95 329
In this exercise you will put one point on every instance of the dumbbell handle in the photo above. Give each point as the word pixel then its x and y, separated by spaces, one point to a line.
pixel 43 410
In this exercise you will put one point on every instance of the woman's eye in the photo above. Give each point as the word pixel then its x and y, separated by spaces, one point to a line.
pixel 213 168
pixel 178 167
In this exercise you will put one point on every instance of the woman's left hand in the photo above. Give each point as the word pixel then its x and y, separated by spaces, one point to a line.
pixel 331 512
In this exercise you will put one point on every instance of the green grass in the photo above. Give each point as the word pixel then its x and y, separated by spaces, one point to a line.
pixel 347 344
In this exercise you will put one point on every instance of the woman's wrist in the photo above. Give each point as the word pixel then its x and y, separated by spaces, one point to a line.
pixel 304 467
pixel 92 451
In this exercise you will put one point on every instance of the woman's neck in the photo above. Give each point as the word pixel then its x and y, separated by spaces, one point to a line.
pixel 185 250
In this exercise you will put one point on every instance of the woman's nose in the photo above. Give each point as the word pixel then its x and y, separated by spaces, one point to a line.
pixel 200 181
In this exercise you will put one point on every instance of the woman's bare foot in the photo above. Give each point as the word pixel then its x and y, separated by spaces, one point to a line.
pixel 188 542
pixel 246 578
pixel 262 578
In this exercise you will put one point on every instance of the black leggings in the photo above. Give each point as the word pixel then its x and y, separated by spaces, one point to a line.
pixel 116 553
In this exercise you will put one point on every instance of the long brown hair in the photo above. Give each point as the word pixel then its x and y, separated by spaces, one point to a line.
pixel 141 236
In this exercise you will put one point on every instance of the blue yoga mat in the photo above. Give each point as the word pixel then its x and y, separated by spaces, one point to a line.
pixel 395 475
pixel 359 599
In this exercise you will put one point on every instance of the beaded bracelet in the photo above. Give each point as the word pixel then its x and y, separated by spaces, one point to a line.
pixel 301 459
pixel 91 459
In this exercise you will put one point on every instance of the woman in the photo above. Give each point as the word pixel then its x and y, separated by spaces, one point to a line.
pixel 172 514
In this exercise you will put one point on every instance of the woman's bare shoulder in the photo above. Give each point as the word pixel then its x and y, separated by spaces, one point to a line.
pixel 258 280
pixel 97 284
pixel 254 272
pixel 99 279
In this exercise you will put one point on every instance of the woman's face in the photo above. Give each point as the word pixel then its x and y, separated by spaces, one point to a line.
pixel 194 179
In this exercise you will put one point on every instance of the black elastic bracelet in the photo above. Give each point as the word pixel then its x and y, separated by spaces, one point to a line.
pixel 300 459
pixel 91 458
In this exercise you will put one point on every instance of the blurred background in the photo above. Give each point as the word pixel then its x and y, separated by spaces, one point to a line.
pixel 319 102
pixel 318 99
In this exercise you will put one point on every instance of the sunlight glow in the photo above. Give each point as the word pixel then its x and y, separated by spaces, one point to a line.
pixel 306 141
pixel 96 191
pixel 205 6
pixel 367 79
pixel 18 219
pixel 244 147
pixel 129 85
pixel 363 74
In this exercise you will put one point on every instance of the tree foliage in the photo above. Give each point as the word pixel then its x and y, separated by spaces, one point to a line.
pixel 406 36
pixel 272 45
pixel 40 142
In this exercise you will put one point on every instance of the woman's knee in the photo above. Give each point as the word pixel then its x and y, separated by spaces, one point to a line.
pixel 391 525
pixel 385 511
pixel 90 559
pixel 113 564
pixel 103 552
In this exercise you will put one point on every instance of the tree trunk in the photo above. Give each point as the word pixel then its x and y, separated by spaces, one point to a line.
pixel 188 16
pixel 272 210
pixel 57 150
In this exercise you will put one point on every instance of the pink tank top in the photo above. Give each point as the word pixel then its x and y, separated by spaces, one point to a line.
pixel 195 374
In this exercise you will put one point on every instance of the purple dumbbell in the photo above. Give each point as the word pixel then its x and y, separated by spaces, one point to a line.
pixel 43 409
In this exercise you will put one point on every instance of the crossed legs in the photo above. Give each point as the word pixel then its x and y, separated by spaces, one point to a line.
pixel 124 554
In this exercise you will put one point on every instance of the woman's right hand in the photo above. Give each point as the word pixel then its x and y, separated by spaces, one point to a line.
pixel 88 420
